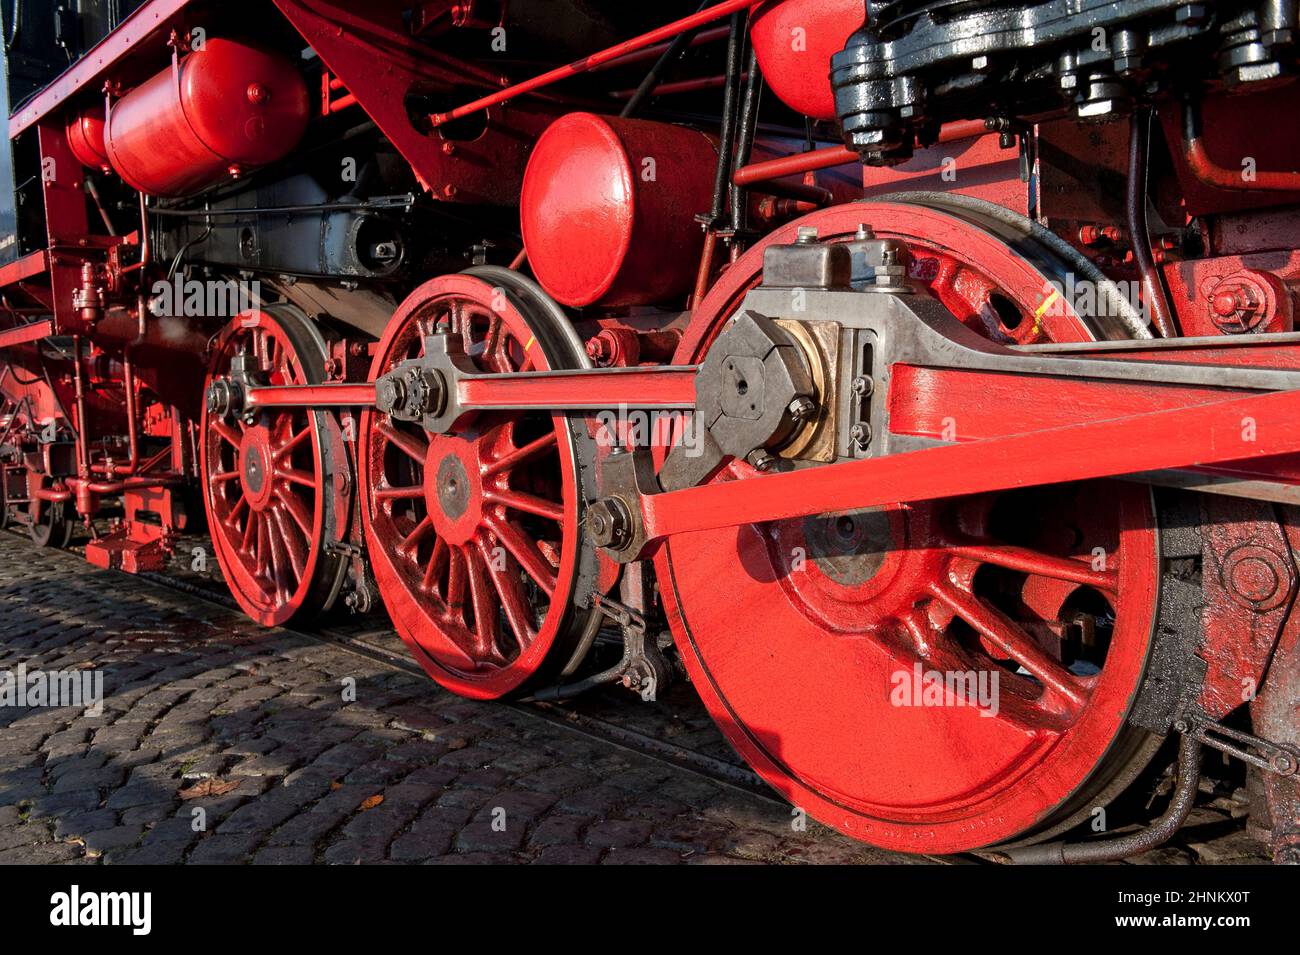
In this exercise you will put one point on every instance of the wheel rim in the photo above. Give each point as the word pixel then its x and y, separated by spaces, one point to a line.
pixel 473 536
pixel 269 488
pixel 49 525
pixel 817 691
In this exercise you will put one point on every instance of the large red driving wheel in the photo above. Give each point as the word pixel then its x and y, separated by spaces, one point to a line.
pixel 473 536
pixel 272 485
pixel 938 677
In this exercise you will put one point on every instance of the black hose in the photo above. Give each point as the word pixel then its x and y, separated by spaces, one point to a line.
pixel 651 81
pixel 727 142
pixel 745 144
pixel 1121 847
pixel 1154 291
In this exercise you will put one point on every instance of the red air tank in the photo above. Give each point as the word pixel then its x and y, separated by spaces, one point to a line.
pixel 221 111
pixel 86 139
pixel 795 40
pixel 608 209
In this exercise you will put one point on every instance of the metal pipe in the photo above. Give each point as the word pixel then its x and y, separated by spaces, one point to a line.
pixel 650 52
pixel 1154 292
pixel 745 127
pixel 682 86
pixel 1220 177
pixel 1121 847
pixel 651 82
pixel 146 247
pixel 132 422
pixel 668 32
pixel 833 156
pixel 83 446
pixel 727 139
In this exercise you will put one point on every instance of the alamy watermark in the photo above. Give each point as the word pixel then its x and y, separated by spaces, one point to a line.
pixel 922 687
pixel 212 298
pixel 649 429
pixel 78 689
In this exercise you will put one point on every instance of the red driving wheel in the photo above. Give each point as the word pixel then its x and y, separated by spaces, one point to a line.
pixel 272 484
pixel 937 677
pixel 473 536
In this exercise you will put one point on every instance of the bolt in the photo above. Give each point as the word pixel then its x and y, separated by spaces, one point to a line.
pixel 609 523
pixel 863 386
pixel 390 394
pixel 807 235
pixel 861 435
pixel 1284 764
pixel 802 408
pixel 760 460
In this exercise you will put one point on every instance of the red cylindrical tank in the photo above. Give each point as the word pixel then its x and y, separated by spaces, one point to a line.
pixel 608 209
pixel 86 139
pixel 225 109
pixel 795 40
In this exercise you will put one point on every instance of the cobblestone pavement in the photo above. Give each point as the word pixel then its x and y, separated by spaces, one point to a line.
pixel 204 711
pixel 210 719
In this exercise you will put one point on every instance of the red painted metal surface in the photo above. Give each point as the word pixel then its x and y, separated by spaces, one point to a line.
pixel 1203 434
pixel 269 488
pixel 795 40
pixel 146 27
pixel 608 208
pixel 221 111
pixel 716 12
pixel 862 603
pixel 459 526
pixel 833 156
pixel 30 332
pixel 86 139
pixel 481 165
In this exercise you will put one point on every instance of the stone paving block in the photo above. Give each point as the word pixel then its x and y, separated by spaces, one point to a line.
pixel 198 693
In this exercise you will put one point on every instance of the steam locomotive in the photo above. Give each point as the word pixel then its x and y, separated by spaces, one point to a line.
pixel 917 379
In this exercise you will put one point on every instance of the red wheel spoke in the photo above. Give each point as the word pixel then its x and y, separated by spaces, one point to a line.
pixel 227 433
pixel 297 510
pixel 512 601
pixel 528 452
pixel 408 545
pixel 295 476
pixel 485 611
pixel 225 477
pixel 292 443
pixel 250 532
pixel 292 547
pixel 1004 634
pixel 399 493
pixel 456 584
pixel 1034 562
pixel 524 551
pixel 414 447
pixel 528 503
pixel 235 510
pixel 437 565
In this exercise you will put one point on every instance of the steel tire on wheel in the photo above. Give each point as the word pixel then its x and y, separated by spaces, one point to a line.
pixel 269 525
pixel 803 637
pixel 474 537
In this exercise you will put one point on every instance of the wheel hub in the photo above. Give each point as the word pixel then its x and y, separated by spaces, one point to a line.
pixel 255 458
pixel 454 489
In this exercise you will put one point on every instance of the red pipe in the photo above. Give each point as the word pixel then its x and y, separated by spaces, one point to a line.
pixel 618 51
pixel 1212 174
pixel 683 86
pixel 833 156
pixel 650 52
